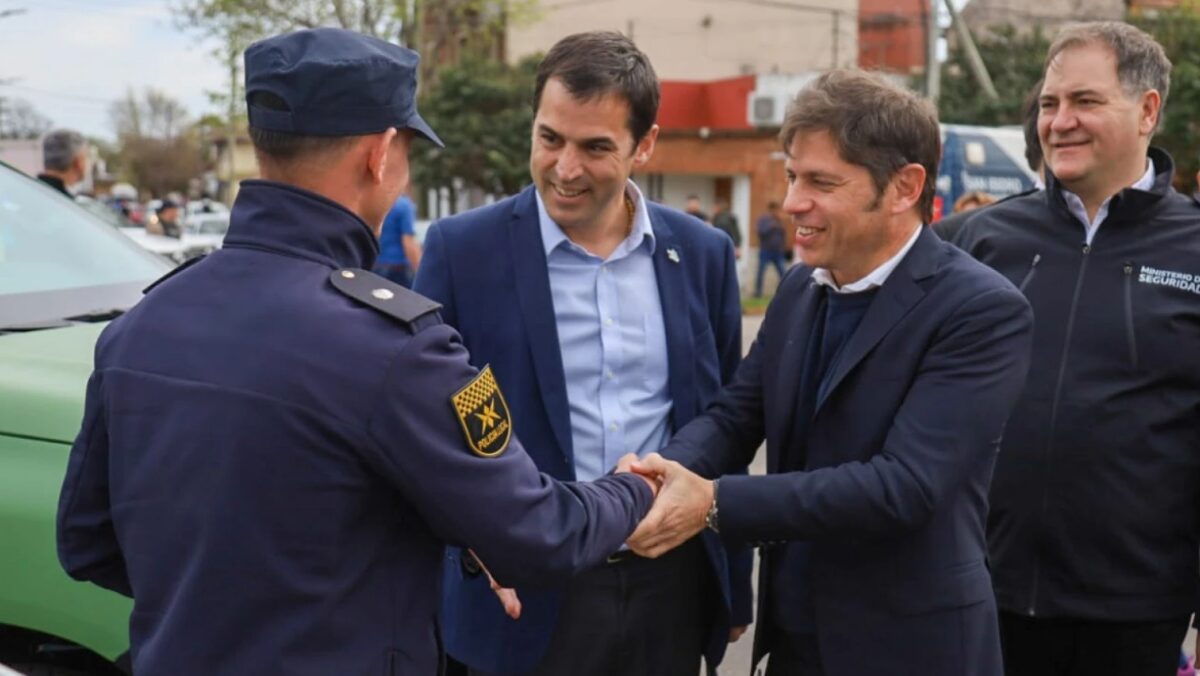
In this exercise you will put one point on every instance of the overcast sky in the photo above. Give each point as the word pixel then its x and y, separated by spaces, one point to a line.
pixel 71 58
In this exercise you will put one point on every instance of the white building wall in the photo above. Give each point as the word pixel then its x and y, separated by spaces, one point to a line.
pixel 706 40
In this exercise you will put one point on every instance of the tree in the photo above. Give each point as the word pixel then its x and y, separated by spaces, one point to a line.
pixel 483 109
pixel 159 149
pixel 1014 60
pixel 440 30
pixel 19 119
pixel 1178 31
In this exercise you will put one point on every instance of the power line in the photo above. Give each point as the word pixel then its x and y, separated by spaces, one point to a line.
pixel 62 95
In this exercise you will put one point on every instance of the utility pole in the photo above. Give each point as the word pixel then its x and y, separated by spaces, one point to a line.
pixel 933 72
pixel 4 14
pixel 978 67
pixel 836 34
pixel 231 142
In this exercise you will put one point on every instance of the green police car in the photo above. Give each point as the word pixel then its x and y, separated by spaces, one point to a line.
pixel 64 273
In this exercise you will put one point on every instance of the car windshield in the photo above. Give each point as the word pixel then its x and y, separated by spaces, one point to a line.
pixel 57 260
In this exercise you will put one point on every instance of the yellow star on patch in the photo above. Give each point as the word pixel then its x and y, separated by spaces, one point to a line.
pixel 482 399
pixel 489 416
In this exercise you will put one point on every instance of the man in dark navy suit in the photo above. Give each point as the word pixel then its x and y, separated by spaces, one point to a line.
pixel 881 380
pixel 612 322
pixel 277 443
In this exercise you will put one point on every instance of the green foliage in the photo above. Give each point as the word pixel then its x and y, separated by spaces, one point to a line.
pixel 1014 61
pixel 1178 31
pixel 482 110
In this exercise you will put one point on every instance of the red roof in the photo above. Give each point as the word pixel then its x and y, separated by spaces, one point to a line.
pixel 720 104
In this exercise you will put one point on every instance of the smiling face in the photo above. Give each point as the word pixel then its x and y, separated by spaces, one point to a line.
pixel 1093 134
pixel 843 223
pixel 582 155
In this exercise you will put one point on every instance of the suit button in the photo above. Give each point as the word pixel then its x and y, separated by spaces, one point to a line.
pixel 470 565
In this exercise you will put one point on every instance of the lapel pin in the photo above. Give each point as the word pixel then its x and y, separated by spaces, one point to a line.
pixel 673 255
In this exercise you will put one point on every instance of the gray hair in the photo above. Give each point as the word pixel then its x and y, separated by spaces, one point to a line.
pixel 60 147
pixel 1142 64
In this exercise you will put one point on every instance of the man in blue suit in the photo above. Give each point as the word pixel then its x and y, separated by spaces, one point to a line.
pixel 881 380
pixel 612 322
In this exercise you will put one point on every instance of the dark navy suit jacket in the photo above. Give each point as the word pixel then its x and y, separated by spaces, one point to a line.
pixel 271 468
pixel 488 269
pixel 898 456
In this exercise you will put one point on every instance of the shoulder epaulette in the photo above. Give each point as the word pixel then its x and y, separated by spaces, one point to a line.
pixel 387 297
pixel 178 269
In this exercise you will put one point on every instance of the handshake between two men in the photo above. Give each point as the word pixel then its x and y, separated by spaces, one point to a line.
pixel 683 506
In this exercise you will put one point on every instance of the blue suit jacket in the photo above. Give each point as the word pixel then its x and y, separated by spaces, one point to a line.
pixel 488 269
pixel 898 458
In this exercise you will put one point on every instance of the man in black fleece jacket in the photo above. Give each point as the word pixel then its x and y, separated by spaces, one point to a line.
pixel 1094 526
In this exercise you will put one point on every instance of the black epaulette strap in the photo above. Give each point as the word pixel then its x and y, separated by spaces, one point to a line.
pixel 393 300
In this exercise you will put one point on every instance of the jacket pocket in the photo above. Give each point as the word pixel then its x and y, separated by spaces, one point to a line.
pixel 1130 334
pixel 956 586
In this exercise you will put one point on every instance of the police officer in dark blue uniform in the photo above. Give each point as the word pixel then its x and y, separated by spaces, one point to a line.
pixel 277 444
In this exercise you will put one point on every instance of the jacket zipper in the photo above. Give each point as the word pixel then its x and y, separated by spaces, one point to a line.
pixel 1029 275
pixel 1129 332
pixel 1058 387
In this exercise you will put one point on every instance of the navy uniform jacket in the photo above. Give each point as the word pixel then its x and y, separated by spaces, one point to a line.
pixel 512 327
pixel 270 467
pixel 898 457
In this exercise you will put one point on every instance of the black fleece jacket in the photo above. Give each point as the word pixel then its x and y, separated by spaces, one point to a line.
pixel 1095 503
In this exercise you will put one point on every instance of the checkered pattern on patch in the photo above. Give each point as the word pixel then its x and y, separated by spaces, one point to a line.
pixel 476 393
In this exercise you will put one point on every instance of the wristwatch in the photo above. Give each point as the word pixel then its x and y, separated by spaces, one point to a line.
pixel 710 519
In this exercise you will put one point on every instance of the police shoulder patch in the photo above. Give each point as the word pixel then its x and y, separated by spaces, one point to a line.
pixel 483 414
pixel 386 296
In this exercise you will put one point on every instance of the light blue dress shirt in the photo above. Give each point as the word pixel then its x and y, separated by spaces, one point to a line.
pixel 613 342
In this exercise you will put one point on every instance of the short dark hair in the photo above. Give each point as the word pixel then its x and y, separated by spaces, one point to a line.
pixel 599 63
pixel 1033 144
pixel 286 147
pixel 873 124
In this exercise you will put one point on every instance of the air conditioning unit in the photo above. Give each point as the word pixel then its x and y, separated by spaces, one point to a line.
pixel 766 109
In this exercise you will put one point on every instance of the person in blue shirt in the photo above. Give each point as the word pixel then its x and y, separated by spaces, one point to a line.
pixel 616 320
pixel 399 252
pixel 277 444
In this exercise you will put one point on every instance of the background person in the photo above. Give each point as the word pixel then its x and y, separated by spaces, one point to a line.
pixel 399 251
pixel 65 160
pixel 1094 531
pixel 772 245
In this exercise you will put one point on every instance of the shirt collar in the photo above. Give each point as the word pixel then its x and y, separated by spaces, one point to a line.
pixel 553 235
pixel 877 276
pixel 1146 182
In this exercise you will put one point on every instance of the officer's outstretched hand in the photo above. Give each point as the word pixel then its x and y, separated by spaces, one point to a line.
pixel 508 597
pixel 679 508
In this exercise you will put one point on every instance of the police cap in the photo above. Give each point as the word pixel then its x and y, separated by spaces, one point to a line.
pixel 334 82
